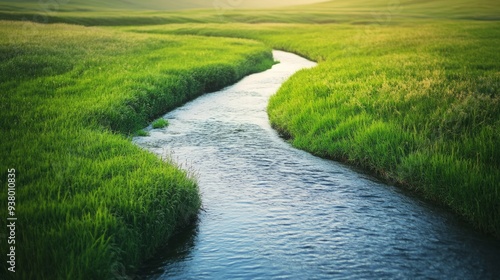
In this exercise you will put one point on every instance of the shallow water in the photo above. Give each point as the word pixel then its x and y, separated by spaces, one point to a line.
pixel 274 212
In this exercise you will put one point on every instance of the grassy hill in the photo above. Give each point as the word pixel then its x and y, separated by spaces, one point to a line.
pixel 94 5
pixel 116 12
pixel 411 8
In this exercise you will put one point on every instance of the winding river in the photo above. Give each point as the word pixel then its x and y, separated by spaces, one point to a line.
pixel 275 212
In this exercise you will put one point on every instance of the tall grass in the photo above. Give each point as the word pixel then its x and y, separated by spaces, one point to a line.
pixel 417 107
pixel 90 204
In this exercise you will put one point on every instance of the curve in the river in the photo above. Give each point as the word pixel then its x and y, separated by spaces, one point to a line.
pixel 274 212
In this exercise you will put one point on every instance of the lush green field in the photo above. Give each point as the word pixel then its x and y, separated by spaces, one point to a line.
pixel 90 204
pixel 406 89
pixel 133 12
pixel 359 12
pixel 130 5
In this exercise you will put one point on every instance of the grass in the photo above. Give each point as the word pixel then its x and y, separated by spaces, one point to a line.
pixel 408 90
pixel 144 5
pixel 142 133
pixel 160 123
pixel 90 204
pixel 153 12
pixel 420 108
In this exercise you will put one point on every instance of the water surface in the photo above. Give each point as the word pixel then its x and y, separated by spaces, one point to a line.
pixel 274 212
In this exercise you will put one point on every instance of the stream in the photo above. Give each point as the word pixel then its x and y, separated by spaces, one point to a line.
pixel 271 211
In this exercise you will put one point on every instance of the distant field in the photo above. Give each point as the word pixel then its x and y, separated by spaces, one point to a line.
pixel 112 13
pixel 409 90
pixel 94 5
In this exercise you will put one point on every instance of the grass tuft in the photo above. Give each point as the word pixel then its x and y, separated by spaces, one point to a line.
pixel 160 123
pixel 141 133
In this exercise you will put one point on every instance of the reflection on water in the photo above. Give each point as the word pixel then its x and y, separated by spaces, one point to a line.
pixel 274 212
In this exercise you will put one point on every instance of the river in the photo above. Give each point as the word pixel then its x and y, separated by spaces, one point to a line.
pixel 274 212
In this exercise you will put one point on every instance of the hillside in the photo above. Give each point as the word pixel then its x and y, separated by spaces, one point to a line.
pixel 480 9
pixel 94 5
pixel 121 12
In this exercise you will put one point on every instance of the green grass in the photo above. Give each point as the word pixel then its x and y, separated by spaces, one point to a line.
pixel 144 5
pixel 359 12
pixel 409 91
pixel 417 106
pixel 160 123
pixel 90 204
pixel 141 133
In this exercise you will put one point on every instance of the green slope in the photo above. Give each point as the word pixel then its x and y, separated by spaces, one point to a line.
pixel 94 5
pixel 120 12
pixel 480 9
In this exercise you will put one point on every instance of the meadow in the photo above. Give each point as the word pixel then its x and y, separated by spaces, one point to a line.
pixel 408 90
pixel 90 204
